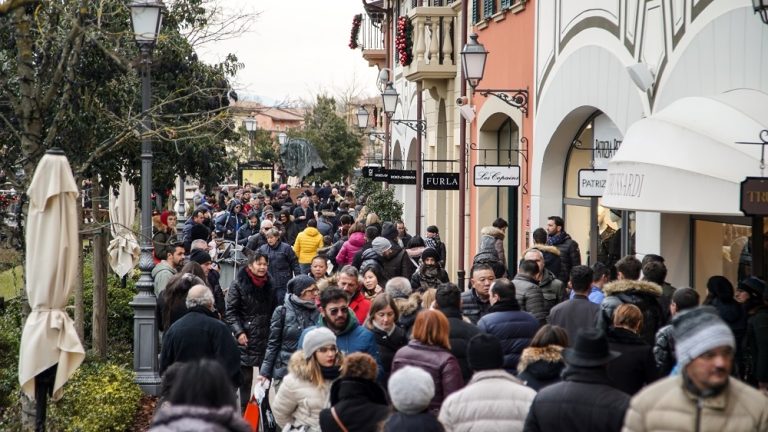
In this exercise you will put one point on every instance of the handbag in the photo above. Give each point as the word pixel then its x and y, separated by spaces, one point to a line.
pixel 338 420
pixel 252 414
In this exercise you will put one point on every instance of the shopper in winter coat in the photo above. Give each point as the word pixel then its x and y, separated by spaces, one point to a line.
pixel 411 389
pixel 475 301
pixel 488 252
pixel 528 293
pixel 352 245
pixel 635 367
pixel 448 301
pixel 382 322
pixel 249 229
pixel 408 302
pixel 414 249
pixel 430 350
pixel 307 243
pixel 200 398
pixel 430 274
pixel 395 261
pixel 283 264
pixel 627 289
pixel 570 255
pixel 584 400
pixel 664 348
pixel 372 275
pixel 542 363
pixel 578 312
pixel 163 233
pixel 551 253
pixel 288 322
pixel 501 225
pixel 228 223
pixel 358 403
pixel 755 364
pixel 703 397
pixel 305 390
pixel 493 400
pixel 513 327
pixel 720 295
pixel 250 303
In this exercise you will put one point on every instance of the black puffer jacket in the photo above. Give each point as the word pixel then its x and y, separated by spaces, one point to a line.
pixel 541 366
pixel 584 401
pixel 249 310
pixel 360 404
pixel 570 255
pixel 635 367
pixel 283 266
pixel 288 321
pixel 643 294
pixel 460 334
pixel 388 346
pixel 397 263
pixel 513 327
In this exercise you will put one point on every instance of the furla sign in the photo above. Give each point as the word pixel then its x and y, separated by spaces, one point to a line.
pixel 440 181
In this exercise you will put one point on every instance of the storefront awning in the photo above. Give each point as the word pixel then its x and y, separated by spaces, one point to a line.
pixel 684 159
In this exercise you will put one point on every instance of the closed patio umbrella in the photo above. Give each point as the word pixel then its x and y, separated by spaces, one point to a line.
pixel 124 250
pixel 50 349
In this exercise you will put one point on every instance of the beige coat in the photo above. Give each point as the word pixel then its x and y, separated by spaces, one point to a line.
pixel 492 401
pixel 667 406
pixel 298 401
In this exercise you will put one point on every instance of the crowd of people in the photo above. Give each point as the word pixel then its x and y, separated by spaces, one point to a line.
pixel 353 325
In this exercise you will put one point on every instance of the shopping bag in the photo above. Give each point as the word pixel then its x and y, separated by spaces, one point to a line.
pixel 268 423
pixel 252 415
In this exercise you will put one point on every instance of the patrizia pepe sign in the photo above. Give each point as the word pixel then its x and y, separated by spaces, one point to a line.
pixel 497 175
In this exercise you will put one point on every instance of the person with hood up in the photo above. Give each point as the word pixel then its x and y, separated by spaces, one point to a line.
pixel 352 245
pixel 408 302
pixel 542 363
pixel 283 264
pixel 430 274
pixel 628 289
pixel 488 253
pixel 358 403
pixel 305 390
pixel 395 260
pixel 411 390
pixel 288 322
pixel 229 222
pixel 307 243
pixel 250 304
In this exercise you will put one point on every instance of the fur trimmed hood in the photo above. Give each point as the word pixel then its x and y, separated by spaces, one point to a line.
pixel 299 366
pixel 410 305
pixel 493 232
pixel 627 285
pixel 549 354
pixel 546 248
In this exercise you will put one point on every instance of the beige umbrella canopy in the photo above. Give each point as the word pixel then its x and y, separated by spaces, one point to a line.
pixel 124 250
pixel 49 335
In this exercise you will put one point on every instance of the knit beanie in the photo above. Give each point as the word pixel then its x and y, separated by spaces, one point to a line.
pixel 484 352
pixel 381 245
pixel 316 339
pixel 200 256
pixel 697 331
pixel 430 253
pixel 389 231
pixel 298 284
pixel 411 390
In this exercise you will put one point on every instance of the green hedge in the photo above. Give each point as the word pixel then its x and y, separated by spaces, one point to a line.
pixel 98 397
pixel 10 339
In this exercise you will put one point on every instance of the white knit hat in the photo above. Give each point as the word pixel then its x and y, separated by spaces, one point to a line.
pixel 697 331
pixel 411 390
pixel 316 339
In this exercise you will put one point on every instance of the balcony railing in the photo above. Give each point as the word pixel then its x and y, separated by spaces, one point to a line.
pixel 434 53
pixel 371 40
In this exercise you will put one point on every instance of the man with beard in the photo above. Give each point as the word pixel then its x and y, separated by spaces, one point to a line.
pixel 250 303
pixel 569 250
pixel 283 264
pixel 351 337
pixel 168 267
pixel 703 397
pixel 430 274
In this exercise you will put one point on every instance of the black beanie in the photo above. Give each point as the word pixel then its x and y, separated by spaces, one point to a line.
pixel 200 256
pixel 484 353
pixel 430 253
pixel 389 231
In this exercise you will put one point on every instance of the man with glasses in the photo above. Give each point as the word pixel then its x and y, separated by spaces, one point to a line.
pixel 336 315
pixel 256 241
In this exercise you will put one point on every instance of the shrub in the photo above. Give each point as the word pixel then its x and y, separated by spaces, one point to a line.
pixel 384 204
pixel 364 186
pixel 10 339
pixel 98 397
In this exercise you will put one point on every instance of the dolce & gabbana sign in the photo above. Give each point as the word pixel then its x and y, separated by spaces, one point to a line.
pixel 497 175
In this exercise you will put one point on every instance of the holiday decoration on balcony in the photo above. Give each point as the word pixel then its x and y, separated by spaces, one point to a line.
pixel 356 21
pixel 404 41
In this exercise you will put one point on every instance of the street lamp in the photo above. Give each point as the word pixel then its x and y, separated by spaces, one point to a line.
pixel 761 7
pixel 362 117
pixel 250 126
pixel 146 19
pixel 473 57
pixel 282 138
pixel 389 98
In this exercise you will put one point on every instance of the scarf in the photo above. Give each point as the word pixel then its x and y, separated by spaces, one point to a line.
pixel 557 238
pixel 388 332
pixel 258 282
pixel 309 304
pixel 330 373
pixel 505 305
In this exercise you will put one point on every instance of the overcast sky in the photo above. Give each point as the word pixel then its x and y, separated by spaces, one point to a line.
pixel 296 49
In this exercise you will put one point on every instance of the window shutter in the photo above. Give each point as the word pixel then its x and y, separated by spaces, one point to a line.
pixel 506 4
pixel 489 7
pixel 475 18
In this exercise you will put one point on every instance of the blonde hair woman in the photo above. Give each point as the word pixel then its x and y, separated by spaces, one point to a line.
pixel 305 390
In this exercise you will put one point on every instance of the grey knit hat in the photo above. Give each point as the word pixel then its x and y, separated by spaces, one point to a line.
pixel 381 245
pixel 697 331
pixel 298 284
pixel 411 390
pixel 316 339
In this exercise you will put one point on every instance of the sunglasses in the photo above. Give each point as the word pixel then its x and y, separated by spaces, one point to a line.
pixel 338 310
pixel 331 348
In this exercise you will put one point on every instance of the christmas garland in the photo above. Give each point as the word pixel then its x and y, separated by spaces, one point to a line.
pixel 404 40
pixel 356 21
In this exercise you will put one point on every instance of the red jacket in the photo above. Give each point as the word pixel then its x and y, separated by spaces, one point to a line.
pixel 360 305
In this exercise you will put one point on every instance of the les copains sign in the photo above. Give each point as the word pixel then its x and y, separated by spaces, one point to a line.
pixel 497 175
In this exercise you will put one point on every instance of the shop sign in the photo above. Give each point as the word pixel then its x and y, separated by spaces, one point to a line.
pixel 404 177
pixel 369 171
pixel 381 175
pixel 592 182
pixel 497 175
pixel 606 141
pixel 754 196
pixel 440 181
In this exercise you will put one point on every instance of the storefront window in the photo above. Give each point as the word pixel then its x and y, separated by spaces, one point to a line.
pixel 721 249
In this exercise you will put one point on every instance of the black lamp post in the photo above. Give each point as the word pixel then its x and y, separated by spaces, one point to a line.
pixel 250 126
pixel 146 19
pixel 761 7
